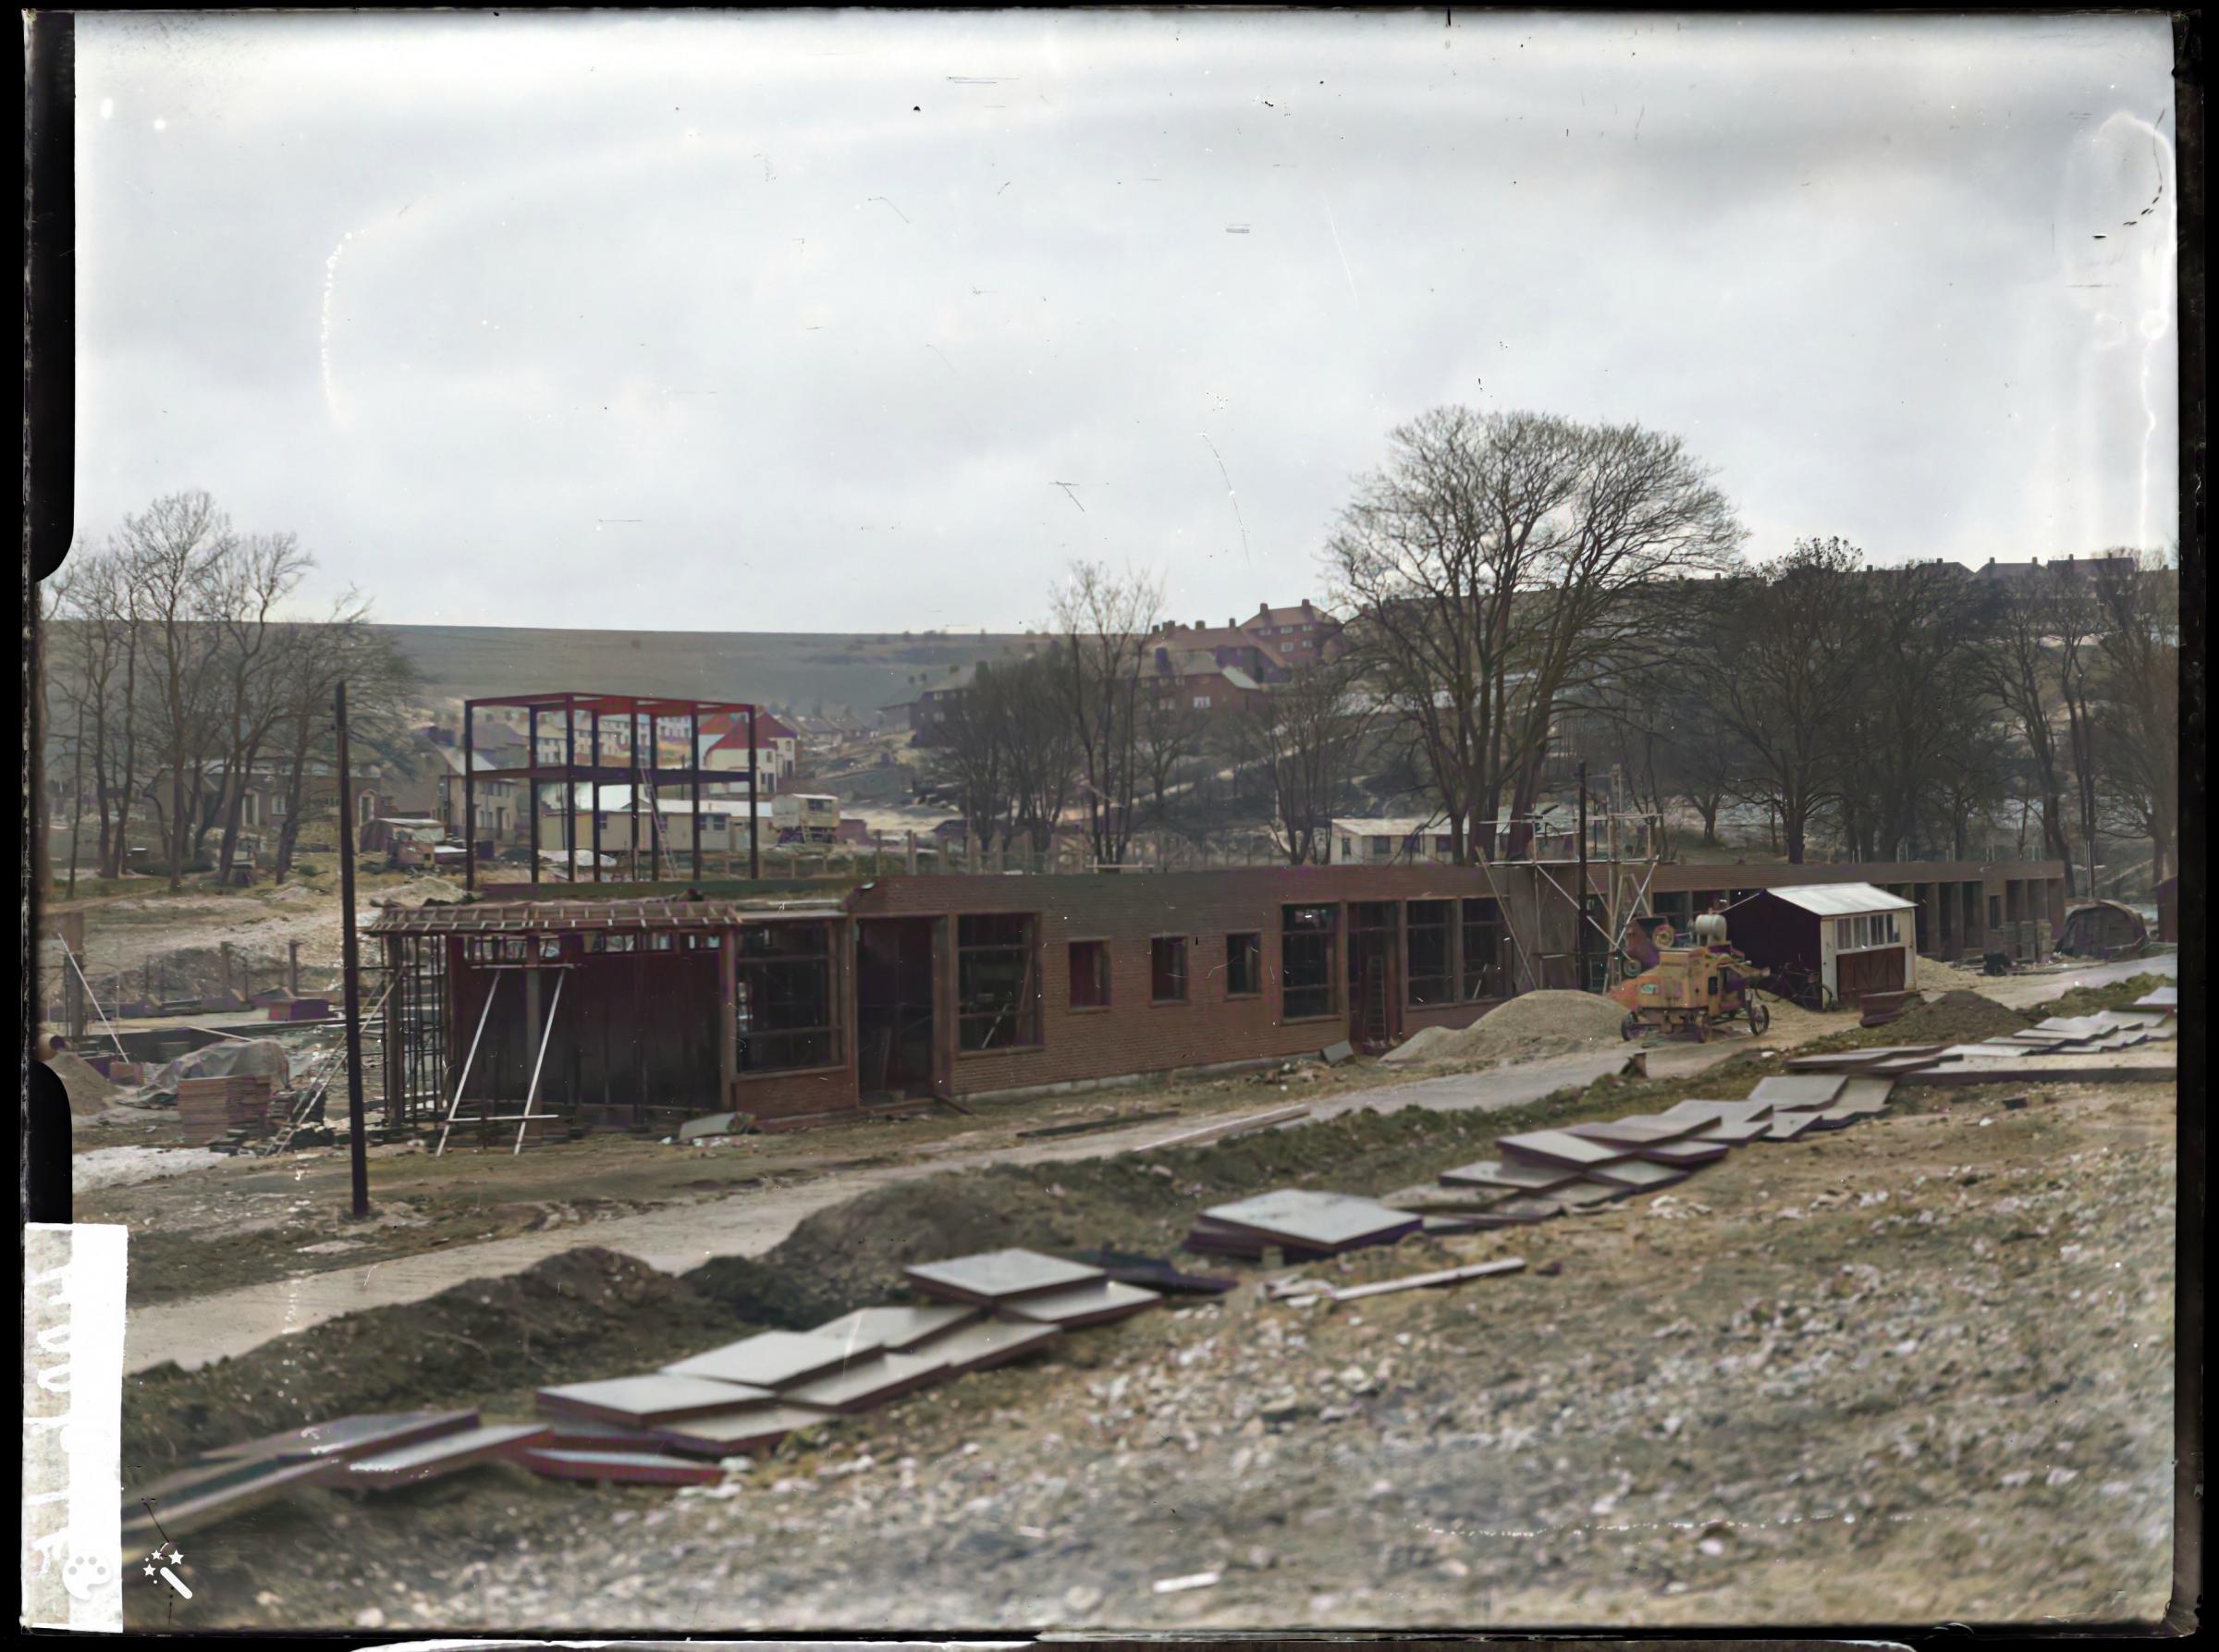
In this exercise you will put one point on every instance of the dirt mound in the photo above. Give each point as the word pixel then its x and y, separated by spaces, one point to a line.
pixel 2111 995
pixel 88 1093
pixel 1956 1018
pixel 852 1254
pixel 584 1314
pixel 1533 1026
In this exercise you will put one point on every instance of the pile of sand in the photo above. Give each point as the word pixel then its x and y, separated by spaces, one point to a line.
pixel 88 1093
pixel 1936 976
pixel 1530 1027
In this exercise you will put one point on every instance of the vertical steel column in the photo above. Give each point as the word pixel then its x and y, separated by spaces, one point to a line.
pixel 755 802
pixel 695 734
pixel 349 959
pixel 532 781
pixel 595 715
pixel 469 804
pixel 570 787
pixel 631 724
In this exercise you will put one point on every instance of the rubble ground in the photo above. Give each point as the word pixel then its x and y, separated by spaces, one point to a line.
pixel 1917 1370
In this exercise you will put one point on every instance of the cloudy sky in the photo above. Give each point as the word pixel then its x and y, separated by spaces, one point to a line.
pixel 865 321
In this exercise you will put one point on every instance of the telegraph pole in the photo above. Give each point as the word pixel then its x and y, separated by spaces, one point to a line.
pixel 1581 916
pixel 349 986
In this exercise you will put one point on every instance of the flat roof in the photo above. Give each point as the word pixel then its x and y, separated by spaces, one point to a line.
pixel 539 917
pixel 1833 900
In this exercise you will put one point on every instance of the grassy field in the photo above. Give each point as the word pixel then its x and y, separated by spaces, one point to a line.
pixel 861 670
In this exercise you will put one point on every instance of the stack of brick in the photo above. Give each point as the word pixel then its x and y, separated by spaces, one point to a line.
pixel 210 1108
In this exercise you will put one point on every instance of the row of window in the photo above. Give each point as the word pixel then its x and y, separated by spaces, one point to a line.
pixel 1873 929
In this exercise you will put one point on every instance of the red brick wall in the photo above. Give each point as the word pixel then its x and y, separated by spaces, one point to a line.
pixel 1126 911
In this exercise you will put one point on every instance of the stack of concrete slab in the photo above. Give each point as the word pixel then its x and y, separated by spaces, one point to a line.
pixel 1302 1224
pixel 2080 1050
pixel 1034 1289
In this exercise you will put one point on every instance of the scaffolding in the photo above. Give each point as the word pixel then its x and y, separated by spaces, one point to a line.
pixel 646 722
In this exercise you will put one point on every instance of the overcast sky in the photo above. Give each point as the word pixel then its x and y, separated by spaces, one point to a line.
pixel 801 322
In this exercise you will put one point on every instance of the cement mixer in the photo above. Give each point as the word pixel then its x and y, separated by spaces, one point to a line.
pixel 1691 988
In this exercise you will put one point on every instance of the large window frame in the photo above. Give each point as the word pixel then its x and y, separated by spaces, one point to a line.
pixel 1485 974
pixel 1167 969
pixel 1309 962
pixel 785 999
pixel 996 982
pixel 1428 954
pixel 1245 964
pixel 1088 962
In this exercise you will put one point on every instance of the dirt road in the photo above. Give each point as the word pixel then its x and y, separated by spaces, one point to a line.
pixel 196 1329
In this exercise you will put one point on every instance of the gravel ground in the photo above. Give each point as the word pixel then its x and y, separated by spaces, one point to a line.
pixel 1915 1371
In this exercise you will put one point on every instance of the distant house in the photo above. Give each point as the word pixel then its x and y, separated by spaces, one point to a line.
pixel 2019 575
pixel 1368 842
pixel 1269 646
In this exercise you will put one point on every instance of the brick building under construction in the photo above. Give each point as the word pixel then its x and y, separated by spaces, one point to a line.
pixel 798 1004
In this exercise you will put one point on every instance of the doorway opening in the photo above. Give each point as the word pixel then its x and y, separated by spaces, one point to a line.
pixel 894 1008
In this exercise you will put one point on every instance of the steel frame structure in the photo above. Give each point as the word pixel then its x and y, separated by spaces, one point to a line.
pixel 570 773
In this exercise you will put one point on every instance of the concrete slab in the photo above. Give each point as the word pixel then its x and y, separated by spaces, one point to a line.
pixel 998 1275
pixel 1509 1173
pixel 428 1460
pixel 869 1383
pixel 1640 1130
pixel 1639 1175
pixel 2126 1067
pixel 350 1436
pixel 1095 1304
pixel 1786 1126
pixel 774 1360
pixel 1559 1147
pixel 1325 1221
pixel 649 1401
pixel 899 1328
pixel 200 1495
pixel 738 1432
pixel 1719 1112
pixel 1685 1153
pixel 1799 1089
pixel 641 1468
pixel 988 1343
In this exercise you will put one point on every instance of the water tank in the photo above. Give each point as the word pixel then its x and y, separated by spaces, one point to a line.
pixel 1710 929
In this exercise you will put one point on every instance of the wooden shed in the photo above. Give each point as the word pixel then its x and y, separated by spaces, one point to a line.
pixel 1856 938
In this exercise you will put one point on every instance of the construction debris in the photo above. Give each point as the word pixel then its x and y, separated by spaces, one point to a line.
pixel 210 1110
pixel 1228 1129
pixel 428 1460
pixel 1425 1281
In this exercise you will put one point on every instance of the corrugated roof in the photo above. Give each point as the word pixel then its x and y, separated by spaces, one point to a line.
pixel 1841 900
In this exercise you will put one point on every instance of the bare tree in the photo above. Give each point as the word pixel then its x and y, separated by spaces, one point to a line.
pixel 1499 563
pixel 1784 668
pixel 1308 740
pixel 245 591
pixel 1104 621
pixel 312 659
pixel 2138 697
pixel 169 549
pixel 2017 659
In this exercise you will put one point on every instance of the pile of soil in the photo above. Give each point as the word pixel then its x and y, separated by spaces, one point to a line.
pixel 585 1313
pixel 1937 976
pixel 1956 1018
pixel 2111 995
pixel 591 1313
pixel 1533 1026
pixel 88 1093
pixel 852 1253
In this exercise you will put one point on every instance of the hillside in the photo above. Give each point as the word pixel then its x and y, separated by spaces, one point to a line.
pixel 801 670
